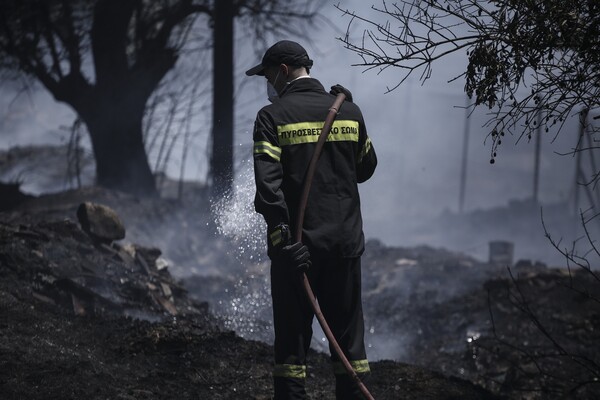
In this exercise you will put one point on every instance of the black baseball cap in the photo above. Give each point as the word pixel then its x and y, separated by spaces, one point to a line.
pixel 282 52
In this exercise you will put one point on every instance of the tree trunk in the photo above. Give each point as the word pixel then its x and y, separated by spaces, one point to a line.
pixel 117 141
pixel 222 134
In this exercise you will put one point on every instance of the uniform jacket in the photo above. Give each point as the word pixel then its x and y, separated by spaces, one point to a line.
pixel 285 137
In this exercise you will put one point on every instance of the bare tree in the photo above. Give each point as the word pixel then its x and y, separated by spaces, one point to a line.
pixel 106 58
pixel 550 48
pixel 261 19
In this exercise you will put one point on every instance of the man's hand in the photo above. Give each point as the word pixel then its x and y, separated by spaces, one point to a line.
pixel 297 256
pixel 337 89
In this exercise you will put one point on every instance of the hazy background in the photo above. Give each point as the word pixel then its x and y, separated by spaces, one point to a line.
pixel 417 131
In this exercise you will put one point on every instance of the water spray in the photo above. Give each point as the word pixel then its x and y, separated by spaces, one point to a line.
pixel 245 306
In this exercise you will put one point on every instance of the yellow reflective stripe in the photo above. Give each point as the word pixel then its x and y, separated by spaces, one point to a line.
pixel 268 149
pixel 290 371
pixel 359 366
pixel 308 132
pixel 366 148
pixel 276 237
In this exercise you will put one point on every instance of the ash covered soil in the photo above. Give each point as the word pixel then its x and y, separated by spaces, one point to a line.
pixel 82 318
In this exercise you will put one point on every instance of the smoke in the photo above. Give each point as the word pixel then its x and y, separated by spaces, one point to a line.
pixel 46 169
pixel 417 132
pixel 411 200
pixel 31 117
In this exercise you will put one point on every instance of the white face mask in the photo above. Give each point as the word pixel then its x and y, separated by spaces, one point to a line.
pixel 272 94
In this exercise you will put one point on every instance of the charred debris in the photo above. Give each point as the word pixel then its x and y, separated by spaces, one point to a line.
pixel 89 271
pixel 84 313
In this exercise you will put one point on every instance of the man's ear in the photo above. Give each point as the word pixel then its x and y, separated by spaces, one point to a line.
pixel 284 69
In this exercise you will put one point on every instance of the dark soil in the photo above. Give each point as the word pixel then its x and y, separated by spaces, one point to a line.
pixel 83 320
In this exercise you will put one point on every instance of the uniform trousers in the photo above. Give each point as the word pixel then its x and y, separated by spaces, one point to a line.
pixel 336 282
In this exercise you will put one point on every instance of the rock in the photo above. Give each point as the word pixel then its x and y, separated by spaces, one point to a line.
pixel 149 254
pixel 100 222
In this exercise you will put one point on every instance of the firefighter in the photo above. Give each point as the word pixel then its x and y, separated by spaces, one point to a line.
pixel 285 135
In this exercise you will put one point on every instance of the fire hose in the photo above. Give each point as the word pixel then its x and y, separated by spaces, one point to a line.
pixel 312 166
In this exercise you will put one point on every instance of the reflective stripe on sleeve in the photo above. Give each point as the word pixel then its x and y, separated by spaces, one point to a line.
pixel 275 237
pixel 308 132
pixel 278 236
pixel 290 371
pixel 267 148
pixel 359 366
pixel 366 148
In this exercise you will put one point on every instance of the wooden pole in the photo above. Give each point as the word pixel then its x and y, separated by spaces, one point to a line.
pixel 221 163
pixel 463 164
pixel 536 165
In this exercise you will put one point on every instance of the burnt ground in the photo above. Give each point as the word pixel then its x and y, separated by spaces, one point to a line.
pixel 79 318
pixel 82 319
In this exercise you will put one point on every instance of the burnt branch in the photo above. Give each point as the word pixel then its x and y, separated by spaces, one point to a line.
pixel 267 19
pixel 549 357
pixel 572 258
pixel 550 49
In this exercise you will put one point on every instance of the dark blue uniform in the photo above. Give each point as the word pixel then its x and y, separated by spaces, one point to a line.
pixel 285 136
